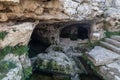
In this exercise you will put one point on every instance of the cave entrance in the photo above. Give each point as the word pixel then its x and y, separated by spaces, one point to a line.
pixel 76 31
pixel 46 33
pixel 39 41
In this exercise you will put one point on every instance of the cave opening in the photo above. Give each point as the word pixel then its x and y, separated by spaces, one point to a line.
pixel 76 31
pixel 46 34
pixel 39 42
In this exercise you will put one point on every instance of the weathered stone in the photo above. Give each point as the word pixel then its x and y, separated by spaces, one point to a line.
pixel 55 62
pixel 16 70
pixel 101 56
pixel 17 34
pixel 111 71
pixel 112 41
pixel 116 37
pixel 10 1
pixel 110 46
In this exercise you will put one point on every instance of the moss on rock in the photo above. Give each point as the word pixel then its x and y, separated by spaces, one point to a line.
pixel 3 34
pixel 17 50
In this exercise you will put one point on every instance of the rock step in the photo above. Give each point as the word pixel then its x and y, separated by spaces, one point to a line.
pixel 110 46
pixel 111 71
pixel 116 38
pixel 102 56
pixel 113 42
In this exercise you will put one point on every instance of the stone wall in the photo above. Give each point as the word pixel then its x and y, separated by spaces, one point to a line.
pixel 105 13
pixel 19 17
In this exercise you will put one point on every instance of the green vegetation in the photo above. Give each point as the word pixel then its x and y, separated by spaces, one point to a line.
pixel 108 33
pixel 3 34
pixel 57 48
pixel 91 45
pixel 91 66
pixel 27 72
pixel 18 50
pixel 5 66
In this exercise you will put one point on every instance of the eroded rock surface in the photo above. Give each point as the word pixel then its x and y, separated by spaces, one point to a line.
pixel 102 56
pixel 55 62
pixel 112 71
pixel 17 34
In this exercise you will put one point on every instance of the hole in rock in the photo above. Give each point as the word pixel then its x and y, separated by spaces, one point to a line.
pixel 39 41
pixel 76 31
pixel 47 33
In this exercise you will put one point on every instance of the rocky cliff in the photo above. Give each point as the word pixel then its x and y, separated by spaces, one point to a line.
pixel 18 19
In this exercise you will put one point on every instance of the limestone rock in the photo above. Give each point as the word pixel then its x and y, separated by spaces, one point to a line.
pixel 111 71
pixel 14 67
pixel 55 62
pixel 101 56
pixel 17 34
pixel 113 13
pixel 10 1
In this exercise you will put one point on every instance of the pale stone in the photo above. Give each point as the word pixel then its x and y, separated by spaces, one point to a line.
pixel 3 17
pixel 17 34
pixel 113 13
pixel 39 11
pixel 101 56
pixel 110 46
pixel 97 36
pixel 17 72
pixel 111 71
pixel 10 1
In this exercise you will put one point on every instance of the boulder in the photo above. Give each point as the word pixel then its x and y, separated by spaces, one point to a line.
pixel 55 62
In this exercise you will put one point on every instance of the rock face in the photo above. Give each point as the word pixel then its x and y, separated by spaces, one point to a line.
pixel 13 65
pixel 106 13
pixel 14 1
pixel 58 9
pixel 17 34
pixel 17 19
pixel 112 71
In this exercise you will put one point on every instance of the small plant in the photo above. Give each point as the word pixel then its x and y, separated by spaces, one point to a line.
pixel 91 45
pixel 18 50
pixel 57 48
pixel 27 72
pixel 5 66
pixel 108 33
pixel 3 34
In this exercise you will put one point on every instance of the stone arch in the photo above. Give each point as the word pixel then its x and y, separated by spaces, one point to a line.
pixel 76 31
pixel 39 41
